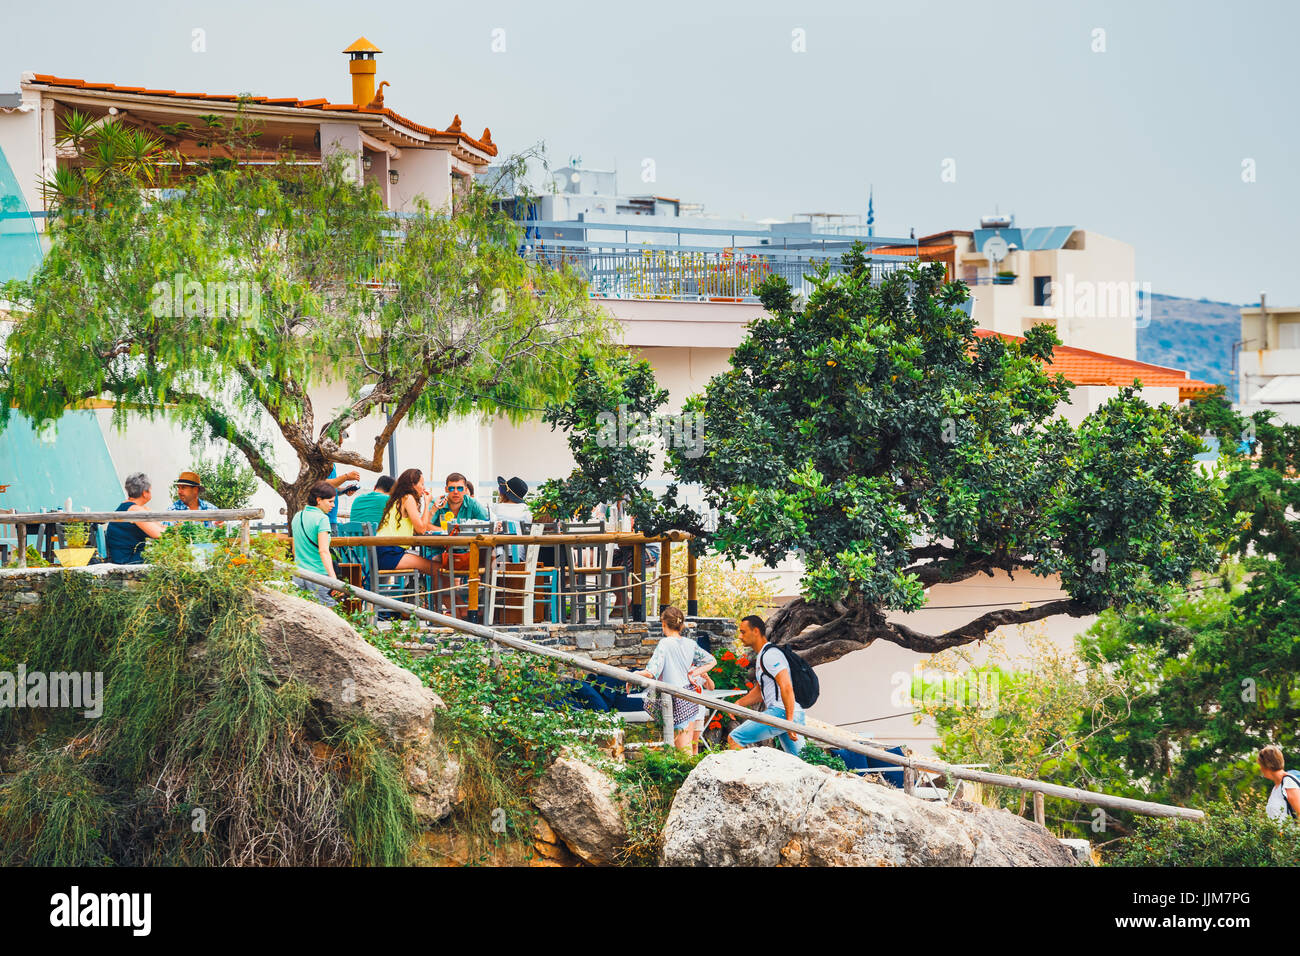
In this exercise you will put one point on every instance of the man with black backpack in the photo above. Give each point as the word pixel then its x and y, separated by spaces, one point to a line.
pixel 784 684
pixel 1284 799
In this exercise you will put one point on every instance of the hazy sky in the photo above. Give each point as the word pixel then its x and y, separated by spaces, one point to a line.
pixel 1144 142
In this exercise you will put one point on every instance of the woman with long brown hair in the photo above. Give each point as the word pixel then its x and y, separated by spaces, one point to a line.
pixel 406 513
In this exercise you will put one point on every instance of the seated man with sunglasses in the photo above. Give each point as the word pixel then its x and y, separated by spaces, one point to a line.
pixel 452 508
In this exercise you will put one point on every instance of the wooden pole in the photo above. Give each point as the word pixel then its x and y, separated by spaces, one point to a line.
pixel 243 536
pixel 638 569
pixel 1040 811
pixel 665 575
pixel 22 544
pixel 692 594
pixel 909 781
pixel 833 737
pixel 473 582
pixel 666 709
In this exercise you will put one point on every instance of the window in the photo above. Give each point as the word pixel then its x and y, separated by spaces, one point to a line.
pixel 1042 290
pixel 1288 335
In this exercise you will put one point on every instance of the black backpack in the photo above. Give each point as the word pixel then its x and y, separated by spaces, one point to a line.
pixel 803 679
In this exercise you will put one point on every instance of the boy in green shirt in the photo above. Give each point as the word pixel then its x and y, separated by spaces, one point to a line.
pixel 369 507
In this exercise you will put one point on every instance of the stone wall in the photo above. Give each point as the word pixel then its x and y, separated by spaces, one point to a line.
pixel 627 645
pixel 21 588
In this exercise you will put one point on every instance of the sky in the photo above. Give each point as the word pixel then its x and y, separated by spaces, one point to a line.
pixel 1168 125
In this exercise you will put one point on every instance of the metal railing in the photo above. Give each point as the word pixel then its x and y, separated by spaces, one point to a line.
pixel 692 275
pixel 724 265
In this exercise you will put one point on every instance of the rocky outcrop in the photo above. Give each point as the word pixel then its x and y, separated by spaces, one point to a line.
pixel 578 802
pixel 309 643
pixel 763 807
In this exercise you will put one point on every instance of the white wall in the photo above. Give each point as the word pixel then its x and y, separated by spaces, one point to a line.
pixel 859 686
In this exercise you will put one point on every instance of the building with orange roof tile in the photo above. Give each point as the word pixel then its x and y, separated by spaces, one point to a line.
pixel 404 158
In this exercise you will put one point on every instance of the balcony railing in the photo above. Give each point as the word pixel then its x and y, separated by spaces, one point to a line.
pixel 717 268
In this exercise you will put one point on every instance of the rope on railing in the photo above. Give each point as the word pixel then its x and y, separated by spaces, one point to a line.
pixel 852 744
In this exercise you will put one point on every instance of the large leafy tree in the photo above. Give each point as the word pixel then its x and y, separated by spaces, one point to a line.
pixel 1221 674
pixel 224 303
pixel 614 423
pixel 872 432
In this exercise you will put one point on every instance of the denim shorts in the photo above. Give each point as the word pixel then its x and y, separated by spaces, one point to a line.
pixel 752 732
pixel 321 592
pixel 389 557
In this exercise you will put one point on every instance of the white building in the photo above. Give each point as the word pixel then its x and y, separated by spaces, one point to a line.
pixel 1268 363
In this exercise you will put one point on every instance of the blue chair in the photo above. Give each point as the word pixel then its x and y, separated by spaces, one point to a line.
pixel 861 764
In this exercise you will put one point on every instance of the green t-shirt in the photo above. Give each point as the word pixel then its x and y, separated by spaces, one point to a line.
pixel 308 525
pixel 470 510
pixel 369 507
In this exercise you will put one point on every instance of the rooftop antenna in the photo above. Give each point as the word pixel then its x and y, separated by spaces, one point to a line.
pixel 871 211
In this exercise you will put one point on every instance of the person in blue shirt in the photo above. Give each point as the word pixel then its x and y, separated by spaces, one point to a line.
pixel 188 487
pixel 125 540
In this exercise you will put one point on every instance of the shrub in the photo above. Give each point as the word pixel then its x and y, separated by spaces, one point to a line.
pixel 646 786
pixel 1230 835
pixel 201 755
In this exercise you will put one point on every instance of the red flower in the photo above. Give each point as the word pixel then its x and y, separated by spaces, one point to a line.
pixel 728 656
pixel 743 662
pixel 749 685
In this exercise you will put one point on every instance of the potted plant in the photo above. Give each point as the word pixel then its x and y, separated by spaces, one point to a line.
pixel 1004 277
pixel 75 554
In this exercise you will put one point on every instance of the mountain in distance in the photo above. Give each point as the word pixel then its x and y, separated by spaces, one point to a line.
pixel 1192 334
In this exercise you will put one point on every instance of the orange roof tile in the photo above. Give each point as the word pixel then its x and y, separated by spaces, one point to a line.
pixel 1085 367
pixel 483 143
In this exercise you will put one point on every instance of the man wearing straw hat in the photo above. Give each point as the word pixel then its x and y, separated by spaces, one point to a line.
pixel 188 486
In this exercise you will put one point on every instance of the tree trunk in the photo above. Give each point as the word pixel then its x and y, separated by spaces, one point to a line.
pixel 821 633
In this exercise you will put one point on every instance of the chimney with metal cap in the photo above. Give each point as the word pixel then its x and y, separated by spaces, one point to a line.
pixel 361 64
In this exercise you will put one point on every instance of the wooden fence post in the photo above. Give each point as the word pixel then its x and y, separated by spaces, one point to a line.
pixel 1040 812
pixel 21 534
pixel 666 709
pixel 243 536
pixel 638 571
pixel 692 594
pixel 665 574
pixel 909 781
pixel 472 608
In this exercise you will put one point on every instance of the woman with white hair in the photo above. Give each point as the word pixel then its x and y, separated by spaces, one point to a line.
pixel 125 540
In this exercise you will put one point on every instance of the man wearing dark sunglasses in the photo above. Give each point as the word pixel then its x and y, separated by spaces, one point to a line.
pixel 456 505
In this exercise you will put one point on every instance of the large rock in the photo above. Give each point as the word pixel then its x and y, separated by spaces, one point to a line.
pixel 578 802
pixel 763 807
pixel 309 643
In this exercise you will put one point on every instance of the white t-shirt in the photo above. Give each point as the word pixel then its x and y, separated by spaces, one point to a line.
pixel 771 662
pixel 1276 806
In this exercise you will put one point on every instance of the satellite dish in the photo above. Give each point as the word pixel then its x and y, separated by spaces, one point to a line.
pixel 996 248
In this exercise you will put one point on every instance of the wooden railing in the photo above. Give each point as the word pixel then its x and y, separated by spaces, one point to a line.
pixel 478 542
pixel 22 521
pixel 843 741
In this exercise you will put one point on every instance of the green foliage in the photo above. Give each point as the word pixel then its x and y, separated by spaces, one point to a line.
pixel 200 755
pixel 873 432
pixel 1232 834
pixel 505 722
pixel 613 460
pixel 1217 671
pixel 224 301
pixel 520 704
pixel 1044 716
pixel 227 483
pixel 646 785
pixel 818 757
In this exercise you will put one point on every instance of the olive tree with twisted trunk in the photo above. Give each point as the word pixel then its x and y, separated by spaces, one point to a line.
pixel 871 432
